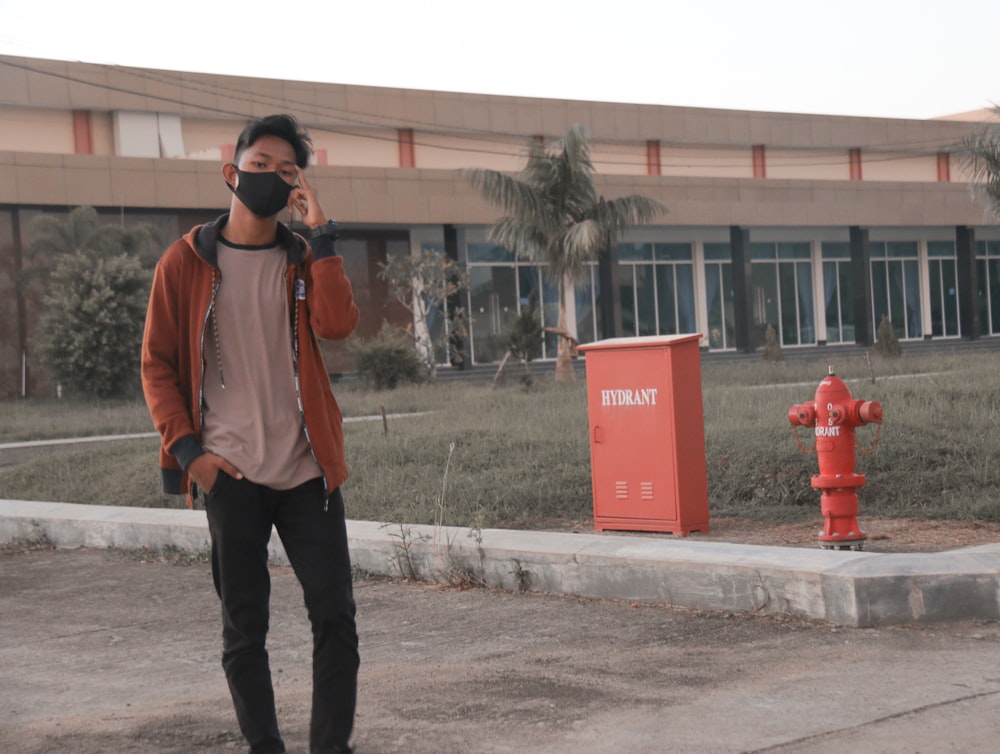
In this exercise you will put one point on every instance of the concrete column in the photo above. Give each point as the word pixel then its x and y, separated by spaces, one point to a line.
pixel 968 282
pixel 861 285
pixel 819 300
pixel 611 294
pixel 739 244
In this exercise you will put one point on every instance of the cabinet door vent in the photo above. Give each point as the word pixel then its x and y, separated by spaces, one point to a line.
pixel 621 490
pixel 646 490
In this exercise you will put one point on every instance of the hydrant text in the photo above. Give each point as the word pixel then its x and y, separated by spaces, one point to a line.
pixel 639 397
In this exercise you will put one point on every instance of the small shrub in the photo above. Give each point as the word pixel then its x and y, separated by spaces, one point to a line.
pixel 526 335
pixel 887 344
pixel 388 359
pixel 772 348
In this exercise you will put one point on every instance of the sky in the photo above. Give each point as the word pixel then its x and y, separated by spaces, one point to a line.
pixel 882 58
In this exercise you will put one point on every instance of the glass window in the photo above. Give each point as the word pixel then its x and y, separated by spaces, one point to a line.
pixel 672 252
pixel 635 252
pixel 940 249
pixel 901 249
pixel 836 250
pixel 982 296
pixel 492 295
pixel 666 300
pixel 831 302
pixel 943 281
pixel 488 252
pixel 720 299
pixel 993 267
pixel 845 284
pixel 638 300
pixel 587 296
pixel 685 298
pixel 896 287
pixel 799 250
pixel 782 292
pixel 764 289
pixel 911 279
pixel 718 251
pixel 789 331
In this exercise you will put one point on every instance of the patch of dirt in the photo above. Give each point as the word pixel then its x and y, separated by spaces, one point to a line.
pixel 884 534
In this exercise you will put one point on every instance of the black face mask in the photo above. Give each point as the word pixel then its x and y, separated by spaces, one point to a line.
pixel 264 194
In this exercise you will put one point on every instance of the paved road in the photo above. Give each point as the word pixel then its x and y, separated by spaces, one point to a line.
pixel 103 652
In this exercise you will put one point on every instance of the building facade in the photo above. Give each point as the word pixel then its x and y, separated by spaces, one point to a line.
pixel 814 225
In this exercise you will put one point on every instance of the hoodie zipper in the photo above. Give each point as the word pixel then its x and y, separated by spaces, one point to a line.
pixel 298 385
pixel 216 283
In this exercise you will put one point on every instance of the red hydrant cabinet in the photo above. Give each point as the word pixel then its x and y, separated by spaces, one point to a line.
pixel 647 434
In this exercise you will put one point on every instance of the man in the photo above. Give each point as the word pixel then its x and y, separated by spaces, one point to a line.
pixel 236 385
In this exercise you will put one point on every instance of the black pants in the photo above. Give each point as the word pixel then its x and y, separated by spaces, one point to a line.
pixel 240 516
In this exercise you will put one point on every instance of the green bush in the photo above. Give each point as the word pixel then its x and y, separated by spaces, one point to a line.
pixel 887 344
pixel 772 348
pixel 90 334
pixel 388 359
pixel 524 341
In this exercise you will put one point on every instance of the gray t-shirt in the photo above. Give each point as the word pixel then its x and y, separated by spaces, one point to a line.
pixel 254 421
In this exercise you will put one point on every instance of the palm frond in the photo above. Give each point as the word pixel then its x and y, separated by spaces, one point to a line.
pixel 619 214
pixel 575 247
pixel 982 158
pixel 524 240
pixel 552 211
pixel 514 196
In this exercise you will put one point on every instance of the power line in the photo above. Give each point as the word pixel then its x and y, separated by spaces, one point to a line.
pixel 363 120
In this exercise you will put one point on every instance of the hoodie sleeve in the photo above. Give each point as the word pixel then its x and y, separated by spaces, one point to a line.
pixel 167 357
pixel 333 313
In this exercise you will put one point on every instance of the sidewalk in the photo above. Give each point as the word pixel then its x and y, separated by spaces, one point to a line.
pixel 103 652
pixel 844 588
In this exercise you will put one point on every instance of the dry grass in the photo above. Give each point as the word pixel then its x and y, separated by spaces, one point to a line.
pixel 521 458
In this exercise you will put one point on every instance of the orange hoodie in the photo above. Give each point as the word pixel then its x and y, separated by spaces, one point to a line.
pixel 180 303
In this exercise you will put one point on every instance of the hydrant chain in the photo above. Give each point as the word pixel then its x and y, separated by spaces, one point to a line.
pixel 869 451
pixel 798 440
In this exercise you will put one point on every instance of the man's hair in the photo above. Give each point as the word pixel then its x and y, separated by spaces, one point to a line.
pixel 284 127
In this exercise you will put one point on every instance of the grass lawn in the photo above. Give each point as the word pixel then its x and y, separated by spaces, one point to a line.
pixel 520 458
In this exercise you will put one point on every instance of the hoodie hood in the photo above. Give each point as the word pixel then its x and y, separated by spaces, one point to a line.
pixel 204 238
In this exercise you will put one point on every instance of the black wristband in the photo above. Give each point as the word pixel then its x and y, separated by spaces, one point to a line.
pixel 329 228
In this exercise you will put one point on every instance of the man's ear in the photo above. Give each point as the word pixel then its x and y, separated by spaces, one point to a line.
pixel 230 174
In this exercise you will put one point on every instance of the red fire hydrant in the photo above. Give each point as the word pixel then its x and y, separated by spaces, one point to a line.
pixel 834 415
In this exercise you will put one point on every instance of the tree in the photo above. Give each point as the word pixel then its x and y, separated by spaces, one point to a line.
pixel 91 330
pixel 96 285
pixel 53 237
pixel 424 283
pixel 983 158
pixel 554 216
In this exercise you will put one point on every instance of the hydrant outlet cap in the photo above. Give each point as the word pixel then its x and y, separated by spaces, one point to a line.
pixel 871 411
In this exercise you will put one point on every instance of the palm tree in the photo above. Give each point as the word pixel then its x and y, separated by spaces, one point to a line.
pixel 554 216
pixel 55 237
pixel 983 158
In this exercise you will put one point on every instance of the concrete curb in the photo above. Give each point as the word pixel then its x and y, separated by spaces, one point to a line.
pixel 842 587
